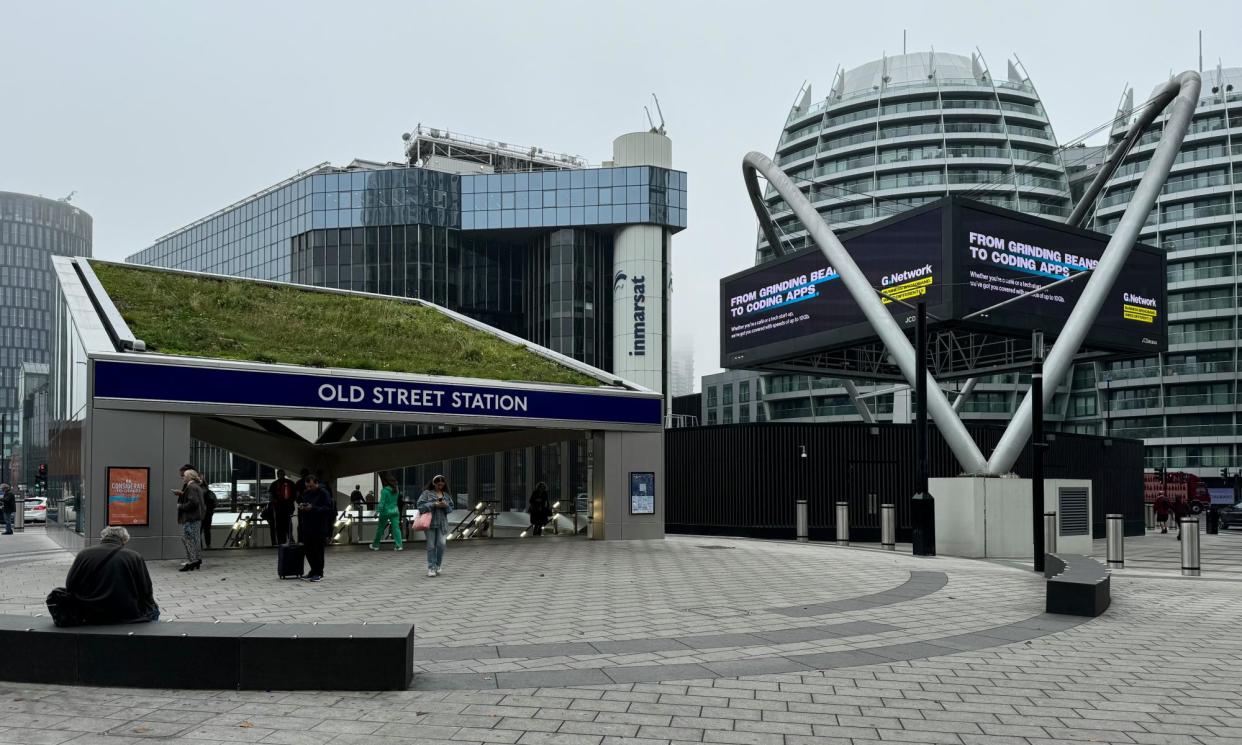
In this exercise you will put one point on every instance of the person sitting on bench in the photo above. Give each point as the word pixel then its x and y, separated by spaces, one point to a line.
pixel 110 584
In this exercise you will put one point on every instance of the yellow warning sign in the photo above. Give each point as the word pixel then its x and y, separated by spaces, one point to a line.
pixel 906 291
pixel 1138 313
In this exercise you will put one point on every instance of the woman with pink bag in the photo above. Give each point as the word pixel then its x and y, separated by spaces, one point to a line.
pixel 433 505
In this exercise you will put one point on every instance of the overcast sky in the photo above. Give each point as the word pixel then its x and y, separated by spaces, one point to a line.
pixel 157 114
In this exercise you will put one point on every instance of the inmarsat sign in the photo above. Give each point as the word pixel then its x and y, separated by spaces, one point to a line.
pixel 957 256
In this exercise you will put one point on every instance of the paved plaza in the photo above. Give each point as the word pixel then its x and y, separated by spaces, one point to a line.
pixel 561 641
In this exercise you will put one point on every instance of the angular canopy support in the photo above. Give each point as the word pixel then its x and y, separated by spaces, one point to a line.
pixel 959 440
pixel 1181 93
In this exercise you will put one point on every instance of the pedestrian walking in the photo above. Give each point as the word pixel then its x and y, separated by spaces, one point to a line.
pixel 1180 510
pixel 436 500
pixel 8 504
pixel 281 502
pixel 316 514
pixel 387 514
pixel 538 508
pixel 190 511
pixel 1161 507
pixel 209 509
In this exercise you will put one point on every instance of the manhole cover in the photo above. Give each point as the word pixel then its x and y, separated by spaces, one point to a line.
pixel 716 548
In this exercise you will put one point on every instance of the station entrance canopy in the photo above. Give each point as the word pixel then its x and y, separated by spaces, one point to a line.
pixel 964 259
pixel 149 359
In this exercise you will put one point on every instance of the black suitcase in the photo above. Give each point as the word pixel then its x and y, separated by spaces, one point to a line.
pixel 290 560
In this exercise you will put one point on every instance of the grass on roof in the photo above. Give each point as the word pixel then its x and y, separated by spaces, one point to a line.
pixel 238 320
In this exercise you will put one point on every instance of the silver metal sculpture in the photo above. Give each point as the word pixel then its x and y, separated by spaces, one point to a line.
pixel 1181 93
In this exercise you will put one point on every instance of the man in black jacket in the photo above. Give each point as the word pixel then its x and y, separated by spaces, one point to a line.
pixel 8 503
pixel 111 583
pixel 316 515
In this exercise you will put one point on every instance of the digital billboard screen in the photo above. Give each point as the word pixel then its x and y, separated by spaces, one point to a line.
pixel 957 256
pixel 1005 257
pixel 800 302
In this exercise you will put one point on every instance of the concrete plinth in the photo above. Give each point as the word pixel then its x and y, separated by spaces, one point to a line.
pixel 981 517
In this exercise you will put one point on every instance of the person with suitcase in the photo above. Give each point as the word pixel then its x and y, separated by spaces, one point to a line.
pixel 316 514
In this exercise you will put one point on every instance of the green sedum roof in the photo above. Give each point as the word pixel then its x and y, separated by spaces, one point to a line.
pixel 199 316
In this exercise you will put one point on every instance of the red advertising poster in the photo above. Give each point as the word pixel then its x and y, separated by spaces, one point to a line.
pixel 129 490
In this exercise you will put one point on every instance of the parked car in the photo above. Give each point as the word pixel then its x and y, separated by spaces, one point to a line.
pixel 1230 517
pixel 35 510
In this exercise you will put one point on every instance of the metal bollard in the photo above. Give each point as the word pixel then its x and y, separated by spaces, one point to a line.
pixel 803 522
pixel 1149 515
pixel 888 527
pixel 19 515
pixel 843 523
pixel 1114 531
pixel 1050 533
pixel 1190 546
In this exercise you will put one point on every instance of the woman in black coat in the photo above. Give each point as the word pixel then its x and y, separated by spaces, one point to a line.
pixel 539 508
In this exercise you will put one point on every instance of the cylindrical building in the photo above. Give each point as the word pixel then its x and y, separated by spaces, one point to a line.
pixel 891 135
pixel 1183 403
pixel 640 273
pixel 32 230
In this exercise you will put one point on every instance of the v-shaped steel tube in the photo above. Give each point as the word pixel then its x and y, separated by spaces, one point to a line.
pixel 959 440
pixel 1182 92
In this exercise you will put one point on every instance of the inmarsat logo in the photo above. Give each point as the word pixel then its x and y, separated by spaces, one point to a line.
pixel 618 280
pixel 640 316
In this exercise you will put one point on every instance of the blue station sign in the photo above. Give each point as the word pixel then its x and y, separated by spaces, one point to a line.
pixel 171 383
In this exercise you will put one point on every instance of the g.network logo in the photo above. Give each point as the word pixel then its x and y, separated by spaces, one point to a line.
pixel 618 280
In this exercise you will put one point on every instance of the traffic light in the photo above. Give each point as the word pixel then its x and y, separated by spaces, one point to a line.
pixel 42 472
pixel 1224 473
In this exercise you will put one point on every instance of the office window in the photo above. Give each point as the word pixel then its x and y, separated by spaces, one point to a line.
pixel 728 394
pixel 743 391
pixel 728 415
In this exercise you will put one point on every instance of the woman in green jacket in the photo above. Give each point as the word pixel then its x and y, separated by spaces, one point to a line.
pixel 388 514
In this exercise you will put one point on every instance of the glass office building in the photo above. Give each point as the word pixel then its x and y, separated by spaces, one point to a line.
pixel 32 230
pixel 1183 403
pixel 893 134
pixel 525 241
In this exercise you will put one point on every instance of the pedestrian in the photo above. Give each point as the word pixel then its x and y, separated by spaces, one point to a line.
pixel 356 499
pixel 282 502
pixel 300 487
pixel 388 514
pixel 1162 512
pixel 316 514
pixel 8 504
pixel 190 511
pixel 538 508
pixel 436 500
pixel 1180 510
pixel 209 509
pixel 108 583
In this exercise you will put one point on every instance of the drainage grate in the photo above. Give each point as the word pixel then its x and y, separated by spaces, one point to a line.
pixel 1073 510
pixel 716 548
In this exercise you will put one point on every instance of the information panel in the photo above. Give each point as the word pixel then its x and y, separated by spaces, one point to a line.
pixel 801 302
pixel 129 490
pixel 1005 257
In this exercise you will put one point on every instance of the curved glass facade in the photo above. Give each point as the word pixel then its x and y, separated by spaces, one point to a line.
pixel 897 133
pixel 1183 403
pixel 32 230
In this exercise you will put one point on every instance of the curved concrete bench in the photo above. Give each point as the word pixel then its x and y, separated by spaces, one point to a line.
pixel 249 656
pixel 1077 585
